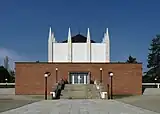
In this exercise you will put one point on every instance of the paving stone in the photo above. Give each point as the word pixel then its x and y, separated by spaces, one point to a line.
pixel 87 106
pixel 144 101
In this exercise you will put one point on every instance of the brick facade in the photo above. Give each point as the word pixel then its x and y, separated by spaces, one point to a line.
pixel 127 78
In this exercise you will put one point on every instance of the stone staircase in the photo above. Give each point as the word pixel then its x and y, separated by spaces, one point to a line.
pixel 80 91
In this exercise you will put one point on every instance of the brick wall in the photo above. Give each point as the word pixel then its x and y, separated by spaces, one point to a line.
pixel 127 78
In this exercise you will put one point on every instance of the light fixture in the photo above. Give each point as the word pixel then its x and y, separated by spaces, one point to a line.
pixel 110 74
pixel 47 74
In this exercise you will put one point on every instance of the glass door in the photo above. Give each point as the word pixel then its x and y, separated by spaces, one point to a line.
pixel 78 77
pixel 81 78
pixel 75 78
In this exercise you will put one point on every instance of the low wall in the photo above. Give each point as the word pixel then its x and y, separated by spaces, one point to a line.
pixel 7 85
pixel 7 91
pixel 151 91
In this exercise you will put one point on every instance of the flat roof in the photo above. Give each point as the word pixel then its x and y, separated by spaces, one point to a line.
pixel 74 63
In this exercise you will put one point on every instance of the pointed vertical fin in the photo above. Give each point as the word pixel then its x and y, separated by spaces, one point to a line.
pixel 53 38
pixel 88 45
pixel 69 46
pixel 88 36
pixel 107 41
pixel 50 34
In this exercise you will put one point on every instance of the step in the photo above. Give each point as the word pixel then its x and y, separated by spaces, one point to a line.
pixel 74 94
pixel 76 89
pixel 76 86
pixel 80 91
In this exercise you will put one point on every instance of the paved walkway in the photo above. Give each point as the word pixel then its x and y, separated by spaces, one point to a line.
pixel 144 101
pixel 78 107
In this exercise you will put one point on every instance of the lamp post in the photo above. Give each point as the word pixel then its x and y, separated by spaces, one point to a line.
pixel 6 82
pixel 89 78
pixel 100 75
pixel 155 81
pixel 46 75
pixel 108 91
pixel 111 76
pixel 56 75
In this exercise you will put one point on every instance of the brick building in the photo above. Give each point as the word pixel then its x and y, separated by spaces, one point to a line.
pixel 80 60
pixel 127 78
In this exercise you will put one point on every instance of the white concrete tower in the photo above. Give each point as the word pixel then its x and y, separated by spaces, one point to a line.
pixel 107 41
pixel 88 46
pixel 103 40
pixel 50 45
pixel 53 45
pixel 51 41
pixel 69 46
pixel 53 38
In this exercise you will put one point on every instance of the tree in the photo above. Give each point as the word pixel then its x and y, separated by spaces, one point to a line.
pixel 12 73
pixel 12 76
pixel 131 60
pixel 154 58
pixel 4 74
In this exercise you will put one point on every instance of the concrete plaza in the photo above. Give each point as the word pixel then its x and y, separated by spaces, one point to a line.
pixel 150 102
pixel 78 107
pixel 13 104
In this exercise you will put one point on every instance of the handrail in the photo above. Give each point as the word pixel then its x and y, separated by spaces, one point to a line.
pixel 99 87
pixel 57 90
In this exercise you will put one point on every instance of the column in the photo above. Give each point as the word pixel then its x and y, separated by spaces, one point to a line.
pixel 72 79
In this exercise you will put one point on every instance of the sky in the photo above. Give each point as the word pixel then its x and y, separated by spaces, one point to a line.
pixel 24 26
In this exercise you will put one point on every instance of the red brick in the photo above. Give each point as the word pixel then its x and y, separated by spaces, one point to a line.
pixel 127 78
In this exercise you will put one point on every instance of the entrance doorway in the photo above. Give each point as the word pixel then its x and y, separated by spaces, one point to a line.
pixel 79 78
